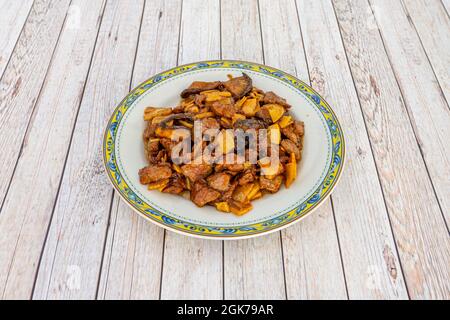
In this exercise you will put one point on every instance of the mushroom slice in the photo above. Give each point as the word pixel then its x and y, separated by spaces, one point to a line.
pixel 199 86
pixel 239 87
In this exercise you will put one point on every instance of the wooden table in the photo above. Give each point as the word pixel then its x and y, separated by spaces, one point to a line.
pixel 383 65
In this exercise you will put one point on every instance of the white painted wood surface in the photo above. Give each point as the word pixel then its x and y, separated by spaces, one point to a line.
pixel 362 224
pixel 46 150
pixel 14 15
pixel 72 257
pixel 383 66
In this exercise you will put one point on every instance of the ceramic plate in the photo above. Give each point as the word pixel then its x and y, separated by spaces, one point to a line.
pixel 318 172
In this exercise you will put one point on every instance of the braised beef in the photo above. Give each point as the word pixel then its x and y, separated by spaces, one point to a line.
pixel 201 193
pixel 154 172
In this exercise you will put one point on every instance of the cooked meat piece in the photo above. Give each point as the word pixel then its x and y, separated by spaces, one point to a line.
pixel 284 159
pixel 154 172
pixel 223 109
pixel 271 185
pixel 199 99
pixel 201 194
pixel 149 130
pixel 246 177
pixel 178 109
pixel 246 124
pixel 168 144
pixel 210 123
pixel 229 193
pixel 196 171
pixel 299 128
pixel 152 150
pixel 219 181
pixel 264 114
pixel 177 184
pixel 239 87
pixel 291 147
pixel 235 167
pixel 199 86
pixel 290 133
pixel 271 97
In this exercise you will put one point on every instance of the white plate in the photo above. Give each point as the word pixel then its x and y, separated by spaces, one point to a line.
pixel 318 172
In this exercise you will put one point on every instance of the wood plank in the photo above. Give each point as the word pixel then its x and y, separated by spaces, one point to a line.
pixel 23 78
pixel 28 206
pixel 446 4
pixel 248 264
pixel 192 268
pixel 311 251
pixel 71 261
pixel 431 124
pixel 14 15
pixel 133 254
pixel 369 256
pixel 432 24
pixel 419 229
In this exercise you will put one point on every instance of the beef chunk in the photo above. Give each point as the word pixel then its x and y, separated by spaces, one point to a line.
pixel 264 114
pixel 223 108
pixel 219 181
pixel 210 123
pixel 271 185
pixel 199 99
pixel 291 147
pixel 271 97
pixel 152 151
pixel 235 167
pixel 149 130
pixel 299 128
pixel 196 171
pixel 229 193
pixel 201 194
pixel 178 109
pixel 154 172
pixel 168 144
pixel 199 86
pixel 239 87
pixel 177 184
pixel 290 133
pixel 246 177
pixel 246 124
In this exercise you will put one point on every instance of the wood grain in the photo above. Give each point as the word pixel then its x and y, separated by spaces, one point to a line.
pixel 446 4
pixel 72 257
pixel 192 268
pixel 133 254
pixel 28 206
pixel 253 268
pixel 368 250
pixel 431 124
pixel 409 196
pixel 311 252
pixel 23 78
pixel 14 15
pixel 432 24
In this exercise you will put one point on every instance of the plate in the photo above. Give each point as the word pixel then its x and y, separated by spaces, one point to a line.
pixel 318 172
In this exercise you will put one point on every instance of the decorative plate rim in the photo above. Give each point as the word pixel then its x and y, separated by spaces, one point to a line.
pixel 294 215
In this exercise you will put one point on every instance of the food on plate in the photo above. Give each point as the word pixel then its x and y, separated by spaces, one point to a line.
pixel 225 145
